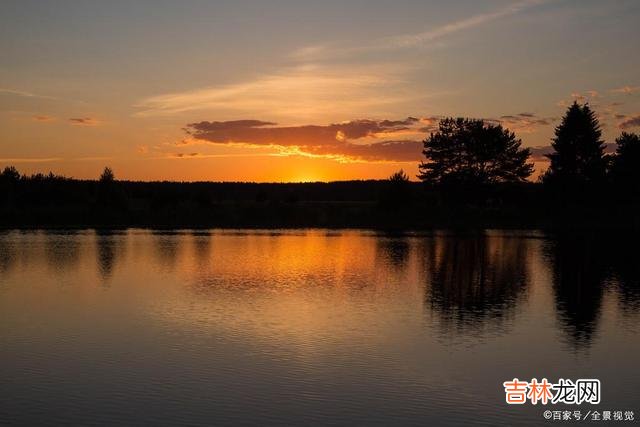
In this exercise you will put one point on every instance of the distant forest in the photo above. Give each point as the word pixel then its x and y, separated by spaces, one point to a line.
pixel 474 174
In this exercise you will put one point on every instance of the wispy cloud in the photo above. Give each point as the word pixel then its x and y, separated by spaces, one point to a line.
pixel 524 122
pixel 591 96
pixel 404 41
pixel 9 160
pixel 629 122
pixel 30 159
pixel 43 118
pixel 416 39
pixel 628 90
pixel 24 94
pixel 293 94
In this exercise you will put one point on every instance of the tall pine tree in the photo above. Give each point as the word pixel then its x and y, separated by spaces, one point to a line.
pixel 578 148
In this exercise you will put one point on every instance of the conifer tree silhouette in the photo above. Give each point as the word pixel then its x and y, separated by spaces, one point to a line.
pixel 626 162
pixel 578 148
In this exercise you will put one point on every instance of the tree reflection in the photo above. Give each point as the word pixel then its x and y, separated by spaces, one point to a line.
pixel 579 271
pixel 202 247
pixel 393 250
pixel 108 248
pixel 475 280
pixel 7 252
pixel 584 267
pixel 167 245
pixel 62 249
pixel 625 271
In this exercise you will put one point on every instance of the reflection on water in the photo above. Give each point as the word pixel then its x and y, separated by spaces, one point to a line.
pixel 475 279
pixel 579 274
pixel 62 250
pixel 314 327
pixel 584 268
pixel 109 246
pixel 202 247
pixel 395 250
pixel 167 245
pixel 7 253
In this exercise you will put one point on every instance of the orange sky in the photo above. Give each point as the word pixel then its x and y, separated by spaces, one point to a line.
pixel 305 91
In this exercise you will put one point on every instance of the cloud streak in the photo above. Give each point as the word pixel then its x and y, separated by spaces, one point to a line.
pixel 52 159
pixel 416 39
pixel 24 94
pixel 294 94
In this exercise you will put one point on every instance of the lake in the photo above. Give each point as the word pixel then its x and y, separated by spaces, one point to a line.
pixel 310 327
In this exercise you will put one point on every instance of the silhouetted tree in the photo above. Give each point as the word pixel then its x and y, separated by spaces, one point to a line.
pixel 110 195
pixel 107 175
pixel 10 174
pixel 398 190
pixel 625 169
pixel 9 179
pixel 578 148
pixel 474 152
pixel 399 177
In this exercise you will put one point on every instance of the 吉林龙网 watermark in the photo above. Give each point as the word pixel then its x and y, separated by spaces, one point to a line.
pixel 564 391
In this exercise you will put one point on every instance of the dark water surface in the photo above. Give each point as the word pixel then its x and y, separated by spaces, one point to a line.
pixel 309 327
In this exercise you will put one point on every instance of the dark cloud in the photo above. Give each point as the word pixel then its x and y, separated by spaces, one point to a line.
pixel 266 133
pixel 84 121
pixel 337 139
pixel 182 155
pixel 225 126
pixel 630 122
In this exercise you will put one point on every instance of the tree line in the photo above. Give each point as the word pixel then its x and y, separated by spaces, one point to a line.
pixel 465 151
pixel 474 152
pixel 475 173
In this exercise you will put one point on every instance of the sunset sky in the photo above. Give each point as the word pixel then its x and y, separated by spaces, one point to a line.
pixel 297 90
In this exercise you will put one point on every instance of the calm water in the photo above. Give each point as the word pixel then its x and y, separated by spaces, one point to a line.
pixel 309 327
